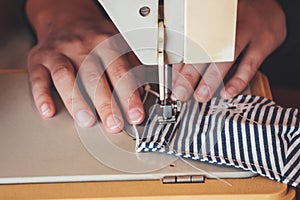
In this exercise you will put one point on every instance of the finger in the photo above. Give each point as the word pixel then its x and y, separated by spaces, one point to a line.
pixel 251 60
pixel 133 59
pixel 107 107
pixel 211 80
pixel 62 73
pixel 186 81
pixel 138 74
pixel 117 68
pixel 98 89
pixel 40 86
pixel 254 55
pixel 125 87
pixel 176 68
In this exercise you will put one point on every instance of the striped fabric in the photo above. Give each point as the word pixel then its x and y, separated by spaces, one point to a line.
pixel 248 132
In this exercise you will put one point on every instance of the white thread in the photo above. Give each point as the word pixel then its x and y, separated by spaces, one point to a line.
pixel 137 137
pixel 148 89
pixel 233 107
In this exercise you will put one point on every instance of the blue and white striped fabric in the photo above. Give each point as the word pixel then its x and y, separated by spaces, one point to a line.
pixel 248 132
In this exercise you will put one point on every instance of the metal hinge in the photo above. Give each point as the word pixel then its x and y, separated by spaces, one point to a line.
pixel 183 179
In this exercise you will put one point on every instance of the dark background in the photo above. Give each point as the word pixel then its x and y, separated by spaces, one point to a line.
pixel 283 67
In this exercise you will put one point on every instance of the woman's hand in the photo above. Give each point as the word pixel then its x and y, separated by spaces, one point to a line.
pixel 261 28
pixel 67 31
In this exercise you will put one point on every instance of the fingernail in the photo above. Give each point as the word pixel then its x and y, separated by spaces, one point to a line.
pixel 84 118
pixel 203 91
pixel 45 110
pixel 231 91
pixel 135 115
pixel 180 92
pixel 113 122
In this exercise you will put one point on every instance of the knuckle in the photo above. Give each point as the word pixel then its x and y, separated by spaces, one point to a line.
pixel 212 78
pixel 189 77
pixel 253 62
pixel 34 56
pixel 74 39
pixel 36 81
pixel 62 40
pixel 103 37
pixel 273 38
pixel 92 81
pixel 116 43
pixel 240 83
pixel 118 70
pixel 38 75
pixel 104 107
pixel 93 77
pixel 40 91
pixel 35 70
pixel 69 101
pixel 207 78
pixel 61 72
pixel 41 96
pixel 269 37
pixel 125 98
pixel 75 42
pixel 41 54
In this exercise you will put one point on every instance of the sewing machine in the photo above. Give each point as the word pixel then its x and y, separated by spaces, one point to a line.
pixel 166 32
pixel 45 159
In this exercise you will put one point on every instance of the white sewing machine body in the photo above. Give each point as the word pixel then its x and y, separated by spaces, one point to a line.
pixel 196 31
pixel 166 32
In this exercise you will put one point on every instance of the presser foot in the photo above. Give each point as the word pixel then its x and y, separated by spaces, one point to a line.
pixel 168 112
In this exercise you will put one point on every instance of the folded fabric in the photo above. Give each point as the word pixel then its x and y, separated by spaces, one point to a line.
pixel 248 132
